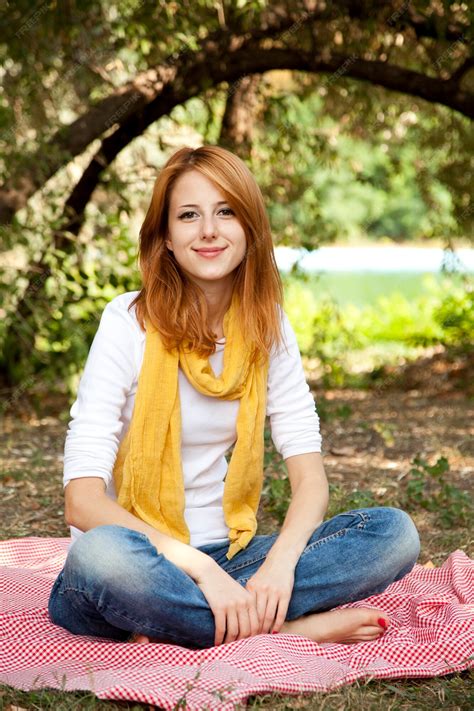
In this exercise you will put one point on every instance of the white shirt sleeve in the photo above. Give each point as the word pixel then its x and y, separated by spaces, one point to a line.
pixel 93 435
pixel 294 422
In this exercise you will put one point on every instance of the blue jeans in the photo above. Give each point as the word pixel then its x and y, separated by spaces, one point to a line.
pixel 114 582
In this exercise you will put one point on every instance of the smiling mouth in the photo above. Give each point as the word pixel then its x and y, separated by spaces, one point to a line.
pixel 209 254
pixel 210 251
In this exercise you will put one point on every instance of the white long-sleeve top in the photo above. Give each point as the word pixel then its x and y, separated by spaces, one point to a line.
pixel 102 412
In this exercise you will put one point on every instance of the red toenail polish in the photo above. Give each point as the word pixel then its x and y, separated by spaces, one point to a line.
pixel 382 622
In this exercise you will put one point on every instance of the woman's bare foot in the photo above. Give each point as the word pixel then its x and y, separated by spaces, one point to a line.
pixel 138 638
pixel 346 626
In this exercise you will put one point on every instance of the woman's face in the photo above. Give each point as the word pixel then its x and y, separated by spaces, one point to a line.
pixel 200 219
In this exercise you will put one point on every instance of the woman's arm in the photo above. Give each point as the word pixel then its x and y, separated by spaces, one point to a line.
pixel 273 582
pixel 309 502
pixel 93 436
pixel 295 432
pixel 88 506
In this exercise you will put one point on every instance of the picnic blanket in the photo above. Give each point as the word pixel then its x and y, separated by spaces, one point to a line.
pixel 431 634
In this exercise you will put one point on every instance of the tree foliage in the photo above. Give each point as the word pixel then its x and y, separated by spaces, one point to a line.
pixel 353 116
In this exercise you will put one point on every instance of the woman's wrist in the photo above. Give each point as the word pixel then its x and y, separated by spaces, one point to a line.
pixel 201 567
pixel 191 560
pixel 280 551
pixel 289 545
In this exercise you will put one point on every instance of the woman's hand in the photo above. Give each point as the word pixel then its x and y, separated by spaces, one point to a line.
pixel 272 585
pixel 234 607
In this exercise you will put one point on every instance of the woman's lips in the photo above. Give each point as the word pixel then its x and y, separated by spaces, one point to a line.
pixel 211 254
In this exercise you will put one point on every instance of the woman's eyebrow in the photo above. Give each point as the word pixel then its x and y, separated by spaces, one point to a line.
pixel 221 202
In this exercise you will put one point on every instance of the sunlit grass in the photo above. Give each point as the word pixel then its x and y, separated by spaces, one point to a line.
pixel 405 317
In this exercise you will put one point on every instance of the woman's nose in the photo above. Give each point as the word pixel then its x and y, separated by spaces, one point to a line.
pixel 208 227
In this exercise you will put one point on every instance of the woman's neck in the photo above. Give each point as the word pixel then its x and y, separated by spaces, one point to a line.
pixel 218 304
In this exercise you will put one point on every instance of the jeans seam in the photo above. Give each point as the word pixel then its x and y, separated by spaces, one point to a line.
pixel 363 515
pixel 365 519
pixel 57 582
pixel 247 563
pixel 320 541
pixel 66 589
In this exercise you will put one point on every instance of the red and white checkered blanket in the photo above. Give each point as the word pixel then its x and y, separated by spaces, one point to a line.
pixel 431 634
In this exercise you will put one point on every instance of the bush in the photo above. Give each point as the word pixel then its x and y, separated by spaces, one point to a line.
pixel 455 316
pixel 390 328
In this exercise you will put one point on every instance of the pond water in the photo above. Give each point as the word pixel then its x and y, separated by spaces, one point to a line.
pixel 360 275
pixel 375 259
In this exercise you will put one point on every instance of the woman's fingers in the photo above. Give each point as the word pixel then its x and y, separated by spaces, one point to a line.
pixel 261 607
pixel 270 612
pixel 234 608
pixel 243 617
pixel 254 620
pixel 220 623
pixel 281 614
pixel 232 626
pixel 246 618
pixel 242 621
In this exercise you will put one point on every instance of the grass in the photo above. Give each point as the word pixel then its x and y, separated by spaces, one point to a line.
pixel 453 692
pixel 449 692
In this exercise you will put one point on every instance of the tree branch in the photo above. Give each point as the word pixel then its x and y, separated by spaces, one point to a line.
pixel 465 66
pixel 71 140
pixel 253 62
pixel 156 91
pixel 430 26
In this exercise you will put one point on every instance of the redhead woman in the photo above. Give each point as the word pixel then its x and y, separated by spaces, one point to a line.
pixel 163 461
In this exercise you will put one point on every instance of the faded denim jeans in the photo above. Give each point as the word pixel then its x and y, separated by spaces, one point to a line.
pixel 114 582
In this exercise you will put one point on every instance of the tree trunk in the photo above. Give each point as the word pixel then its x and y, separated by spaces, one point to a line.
pixel 241 109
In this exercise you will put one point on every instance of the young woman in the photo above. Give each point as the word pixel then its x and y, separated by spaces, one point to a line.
pixel 163 522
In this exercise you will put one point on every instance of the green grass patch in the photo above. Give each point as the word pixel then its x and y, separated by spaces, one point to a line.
pixel 453 692
pixel 430 487
pixel 349 337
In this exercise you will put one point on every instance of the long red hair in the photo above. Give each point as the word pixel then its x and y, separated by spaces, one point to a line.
pixel 175 305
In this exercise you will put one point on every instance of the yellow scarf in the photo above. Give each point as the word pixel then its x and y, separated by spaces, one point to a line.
pixel 148 473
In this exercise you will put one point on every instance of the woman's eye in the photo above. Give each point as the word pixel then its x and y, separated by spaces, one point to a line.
pixel 190 213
